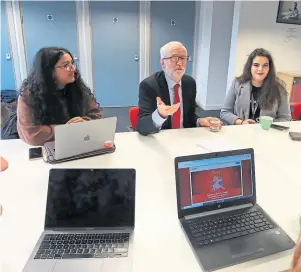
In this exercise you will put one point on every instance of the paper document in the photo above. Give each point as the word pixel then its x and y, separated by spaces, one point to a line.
pixel 215 145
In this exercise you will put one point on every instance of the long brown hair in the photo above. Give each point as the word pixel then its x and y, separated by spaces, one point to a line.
pixel 39 90
pixel 272 86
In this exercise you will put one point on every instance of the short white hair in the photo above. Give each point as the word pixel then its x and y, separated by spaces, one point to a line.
pixel 166 48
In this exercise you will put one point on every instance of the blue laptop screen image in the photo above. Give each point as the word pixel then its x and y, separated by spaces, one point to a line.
pixel 91 198
pixel 215 180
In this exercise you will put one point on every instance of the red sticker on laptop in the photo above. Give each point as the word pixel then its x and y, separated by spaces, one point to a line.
pixel 108 144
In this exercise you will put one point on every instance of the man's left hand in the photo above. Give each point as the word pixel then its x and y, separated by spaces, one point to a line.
pixel 205 122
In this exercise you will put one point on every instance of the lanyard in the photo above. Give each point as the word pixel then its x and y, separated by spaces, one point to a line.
pixel 254 105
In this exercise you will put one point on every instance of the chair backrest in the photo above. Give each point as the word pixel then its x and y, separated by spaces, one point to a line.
pixel 296 93
pixel 133 115
pixel 9 130
pixel 296 111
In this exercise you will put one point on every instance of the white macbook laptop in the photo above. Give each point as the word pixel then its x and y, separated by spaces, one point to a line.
pixel 82 138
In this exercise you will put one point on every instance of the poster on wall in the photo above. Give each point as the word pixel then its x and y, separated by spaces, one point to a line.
pixel 289 12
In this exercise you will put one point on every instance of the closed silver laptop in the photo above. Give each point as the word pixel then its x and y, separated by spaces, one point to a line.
pixel 89 221
pixel 80 138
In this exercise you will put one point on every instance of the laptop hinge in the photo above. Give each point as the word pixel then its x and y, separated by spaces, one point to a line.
pixel 89 229
pixel 229 209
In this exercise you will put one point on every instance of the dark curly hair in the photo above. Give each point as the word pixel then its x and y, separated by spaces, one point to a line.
pixel 272 85
pixel 41 94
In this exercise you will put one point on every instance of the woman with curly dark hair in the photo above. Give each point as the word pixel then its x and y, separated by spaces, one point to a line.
pixel 257 92
pixel 54 93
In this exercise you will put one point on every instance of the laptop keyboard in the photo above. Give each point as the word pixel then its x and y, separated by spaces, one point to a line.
pixel 69 246
pixel 228 227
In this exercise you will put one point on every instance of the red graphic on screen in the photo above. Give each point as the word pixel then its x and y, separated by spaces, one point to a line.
pixel 247 177
pixel 217 181
pixel 216 184
pixel 184 178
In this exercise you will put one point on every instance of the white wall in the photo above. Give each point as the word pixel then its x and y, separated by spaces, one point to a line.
pixel 202 58
pixel 258 28
pixel 212 52
pixel 220 49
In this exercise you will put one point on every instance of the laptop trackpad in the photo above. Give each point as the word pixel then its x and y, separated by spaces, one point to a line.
pixel 116 265
pixel 82 265
pixel 244 247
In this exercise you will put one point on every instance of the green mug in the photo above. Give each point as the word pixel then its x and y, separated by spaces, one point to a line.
pixel 265 122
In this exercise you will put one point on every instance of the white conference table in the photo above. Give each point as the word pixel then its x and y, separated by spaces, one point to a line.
pixel 159 243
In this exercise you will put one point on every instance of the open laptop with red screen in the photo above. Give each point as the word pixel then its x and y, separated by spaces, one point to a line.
pixel 216 196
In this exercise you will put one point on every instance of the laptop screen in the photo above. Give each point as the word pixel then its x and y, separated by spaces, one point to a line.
pixel 90 198
pixel 214 180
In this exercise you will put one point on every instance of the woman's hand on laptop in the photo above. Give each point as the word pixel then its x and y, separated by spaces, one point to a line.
pixel 75 120
pixel 296 263
pixel 3 164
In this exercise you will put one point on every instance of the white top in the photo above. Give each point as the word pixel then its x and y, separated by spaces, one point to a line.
pixel 159 243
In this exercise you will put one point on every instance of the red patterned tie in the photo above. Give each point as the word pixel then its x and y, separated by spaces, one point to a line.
pixel 177 115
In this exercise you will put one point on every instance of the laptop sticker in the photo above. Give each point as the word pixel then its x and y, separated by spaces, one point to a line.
pixel 108 144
